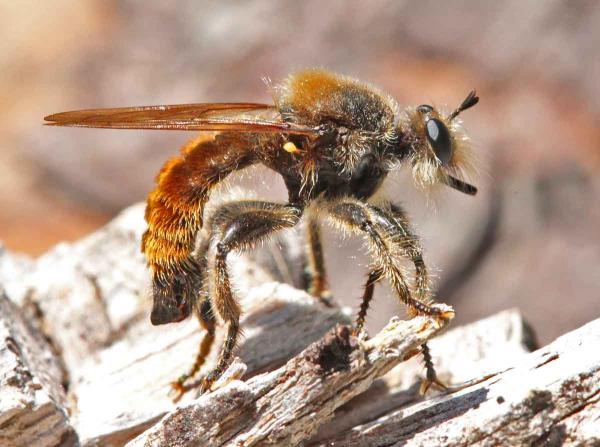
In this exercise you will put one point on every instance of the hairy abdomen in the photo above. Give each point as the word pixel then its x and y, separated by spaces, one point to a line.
pixel 174 215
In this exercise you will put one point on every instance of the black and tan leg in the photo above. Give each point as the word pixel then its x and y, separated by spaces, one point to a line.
pixel 317 277
pixel 386 245
pixel 414 252
pixel 207 320
pixel 206 317
pixel 374 277
pixel 237 226
pixel 390 238
pixel 431 376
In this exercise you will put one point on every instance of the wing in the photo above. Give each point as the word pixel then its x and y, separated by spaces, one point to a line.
pixel 232 117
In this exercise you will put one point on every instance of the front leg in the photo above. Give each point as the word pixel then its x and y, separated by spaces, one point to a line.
pixel 387 246
pixel 414 252
pixel 374 277
pixel 390 238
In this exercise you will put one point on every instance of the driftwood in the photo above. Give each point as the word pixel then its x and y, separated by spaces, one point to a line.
pixel 128 389
pixel 550 397
pixel 288 405
pixel 81 365
pixel 462 354
pixel 32 398
pixel 90 301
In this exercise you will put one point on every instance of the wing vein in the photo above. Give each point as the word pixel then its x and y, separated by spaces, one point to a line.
pixel 233 117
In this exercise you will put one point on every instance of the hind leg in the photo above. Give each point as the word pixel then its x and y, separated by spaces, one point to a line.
pixel 208 322
pixel 238 226
pixel 206 318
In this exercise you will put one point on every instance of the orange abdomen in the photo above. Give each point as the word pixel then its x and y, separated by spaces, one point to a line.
pixel 174 213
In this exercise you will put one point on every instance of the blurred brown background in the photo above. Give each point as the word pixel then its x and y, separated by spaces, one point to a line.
pixel 530 239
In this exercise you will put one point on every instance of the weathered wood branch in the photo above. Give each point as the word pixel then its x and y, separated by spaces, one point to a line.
pixel 90 301
pixel 32 398
pixel 550 397
pixel 462 354
pixel 127 389
pixel 288 405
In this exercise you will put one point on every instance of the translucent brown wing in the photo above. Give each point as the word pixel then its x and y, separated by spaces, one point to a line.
pixel 233 117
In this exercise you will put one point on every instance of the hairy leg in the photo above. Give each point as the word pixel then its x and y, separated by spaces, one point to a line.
pixel 317 277
pixel 238 226
pixel 393 223
pixel 207 320
pixel 414 252
pixel 387 246
pixel 390 237
pixel 374 277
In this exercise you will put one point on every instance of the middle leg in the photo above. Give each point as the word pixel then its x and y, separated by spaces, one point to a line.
pixel 315 268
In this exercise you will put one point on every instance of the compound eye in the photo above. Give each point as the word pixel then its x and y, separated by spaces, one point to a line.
pixel 425 109
pixel 439 139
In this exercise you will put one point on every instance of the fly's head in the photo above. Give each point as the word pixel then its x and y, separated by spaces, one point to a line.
pixel 437 146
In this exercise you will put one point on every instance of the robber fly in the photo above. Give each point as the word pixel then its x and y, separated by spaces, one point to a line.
pixel 333 139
